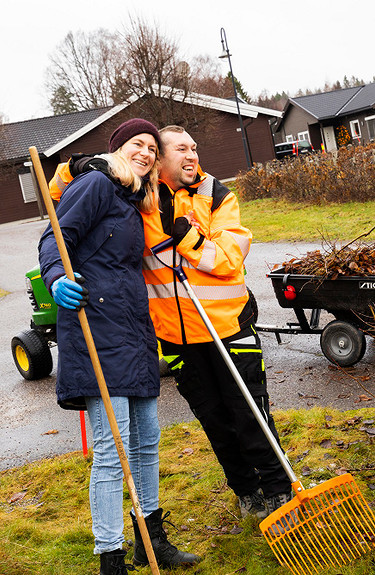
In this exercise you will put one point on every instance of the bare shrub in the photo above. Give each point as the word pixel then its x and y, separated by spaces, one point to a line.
pixel 342 176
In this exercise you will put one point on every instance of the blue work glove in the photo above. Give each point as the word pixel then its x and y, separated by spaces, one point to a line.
pixel 70 294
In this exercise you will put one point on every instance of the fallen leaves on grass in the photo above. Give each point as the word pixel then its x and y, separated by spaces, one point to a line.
pixel 363 397
pixel 17 497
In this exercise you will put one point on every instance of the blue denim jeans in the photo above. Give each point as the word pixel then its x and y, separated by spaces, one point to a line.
pixel 139 428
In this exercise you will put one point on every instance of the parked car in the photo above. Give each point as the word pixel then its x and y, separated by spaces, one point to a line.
pixel 293 149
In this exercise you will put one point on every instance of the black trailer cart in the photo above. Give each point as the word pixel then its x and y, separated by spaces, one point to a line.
pixel 351 300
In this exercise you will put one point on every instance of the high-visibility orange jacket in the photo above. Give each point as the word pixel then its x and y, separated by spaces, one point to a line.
pixel 60 180
pixel 212 258
pixel 214 263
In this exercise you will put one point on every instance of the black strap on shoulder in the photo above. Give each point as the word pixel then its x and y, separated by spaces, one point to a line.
pixel 219 193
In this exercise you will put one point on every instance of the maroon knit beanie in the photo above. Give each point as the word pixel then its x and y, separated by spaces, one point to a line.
pixel 130 129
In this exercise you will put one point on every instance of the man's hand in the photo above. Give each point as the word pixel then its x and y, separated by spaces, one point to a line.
pixel 191 219
pixel 70 294
pixel 81 163
pixel 183 225
pixel 99 164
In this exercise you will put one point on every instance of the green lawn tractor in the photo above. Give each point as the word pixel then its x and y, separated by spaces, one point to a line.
pixel 31 348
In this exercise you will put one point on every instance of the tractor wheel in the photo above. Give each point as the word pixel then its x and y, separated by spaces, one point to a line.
pixel 342 343
pixel 31 354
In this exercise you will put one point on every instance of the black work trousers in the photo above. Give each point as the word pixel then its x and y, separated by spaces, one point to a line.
pixel 238 441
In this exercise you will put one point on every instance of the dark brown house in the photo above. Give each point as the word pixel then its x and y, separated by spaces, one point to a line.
pixel 221 148
pixel 320 118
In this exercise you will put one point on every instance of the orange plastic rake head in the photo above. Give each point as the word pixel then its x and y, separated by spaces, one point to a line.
pixel 328 525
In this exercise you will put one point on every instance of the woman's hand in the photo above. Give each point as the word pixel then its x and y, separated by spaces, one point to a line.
pixel 70 294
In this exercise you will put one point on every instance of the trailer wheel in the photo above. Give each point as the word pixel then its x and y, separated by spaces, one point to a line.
pixel 31 354
pixel 342 343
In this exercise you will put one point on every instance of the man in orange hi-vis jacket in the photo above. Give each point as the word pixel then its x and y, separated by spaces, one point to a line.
pixel 203 217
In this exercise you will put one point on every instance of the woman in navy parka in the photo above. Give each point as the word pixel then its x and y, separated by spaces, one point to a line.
pixel 103 231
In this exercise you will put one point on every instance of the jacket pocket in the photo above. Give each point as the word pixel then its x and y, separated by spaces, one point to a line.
pixel 110 316
pixel 247 356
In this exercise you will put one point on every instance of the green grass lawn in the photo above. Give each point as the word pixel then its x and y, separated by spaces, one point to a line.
pixel 273 220
pixel 45 526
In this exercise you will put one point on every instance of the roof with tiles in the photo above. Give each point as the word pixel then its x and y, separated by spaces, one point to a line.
pixel 365 98
pixel 326 104
pixel 45 132
pixel 51 133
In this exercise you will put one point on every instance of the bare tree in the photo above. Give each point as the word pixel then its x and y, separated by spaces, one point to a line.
pixel 152 58
pixel 85 70
pixel 206 78
pixel 103 69
pixel 155 72
pixel 139 63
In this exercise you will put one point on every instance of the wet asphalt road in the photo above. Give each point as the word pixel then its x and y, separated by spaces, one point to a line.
pixel 298 373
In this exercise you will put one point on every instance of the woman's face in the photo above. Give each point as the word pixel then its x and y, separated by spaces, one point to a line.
pixel 140 152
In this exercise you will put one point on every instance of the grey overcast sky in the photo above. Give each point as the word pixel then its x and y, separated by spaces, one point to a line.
pixel 276 45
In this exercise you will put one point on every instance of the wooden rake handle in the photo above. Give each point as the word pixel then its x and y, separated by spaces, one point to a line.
pixel 95 362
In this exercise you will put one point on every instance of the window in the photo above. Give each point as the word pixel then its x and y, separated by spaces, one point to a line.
pixel 27 187
pixel 303 136
pixel 289 138
pixel 371 127
pixel 355 129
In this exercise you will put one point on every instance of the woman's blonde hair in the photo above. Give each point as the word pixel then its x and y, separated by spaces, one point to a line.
pixel 119 168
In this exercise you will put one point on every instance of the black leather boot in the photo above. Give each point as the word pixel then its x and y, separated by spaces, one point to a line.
pixel 112 563
pixel 166 554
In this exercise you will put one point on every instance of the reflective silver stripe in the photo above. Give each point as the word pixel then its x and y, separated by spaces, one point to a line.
pixel 206 187
pixel 250 339
pixel 242 241
pixel 161 291
pixel 207 260
pixel 264 411
pixel 60 183
pixel 152 263
pixel 220 292
pixel 202 292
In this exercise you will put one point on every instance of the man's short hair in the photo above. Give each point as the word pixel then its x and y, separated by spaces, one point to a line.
pixel 172 128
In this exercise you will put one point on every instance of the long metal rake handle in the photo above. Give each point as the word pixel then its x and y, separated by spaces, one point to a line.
pixel 95 363
pixel 240 382
pixel 231 366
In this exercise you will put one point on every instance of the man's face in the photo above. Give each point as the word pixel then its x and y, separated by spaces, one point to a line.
pixel 179 160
